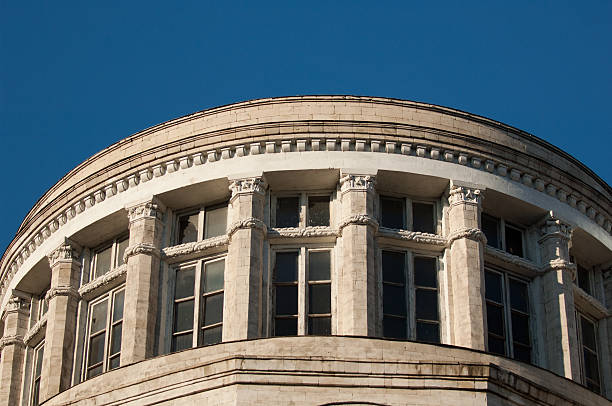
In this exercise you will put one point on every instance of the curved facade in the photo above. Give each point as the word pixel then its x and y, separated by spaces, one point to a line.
pixel 314 250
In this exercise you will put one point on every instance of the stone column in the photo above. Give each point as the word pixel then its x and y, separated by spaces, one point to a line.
pixel 465 267
pixel 142 281
pixel 356 308
pixel 561 349
pixel 12 349
pixel 60 336
pixel 244 266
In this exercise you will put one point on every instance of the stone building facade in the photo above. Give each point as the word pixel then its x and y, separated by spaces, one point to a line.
pixel 314 250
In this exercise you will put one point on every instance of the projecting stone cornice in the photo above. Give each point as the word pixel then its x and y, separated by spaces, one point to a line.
pixel 36 333
pixel 103 283
pixel 182 251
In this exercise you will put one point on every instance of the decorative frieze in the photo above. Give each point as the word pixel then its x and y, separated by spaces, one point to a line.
pixel 68 251
pixel 295 232
pixel 150 209
pixel 465 195
pixel 413 236
pixel 357 182
pixel 248 185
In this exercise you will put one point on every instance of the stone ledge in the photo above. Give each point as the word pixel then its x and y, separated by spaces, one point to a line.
pixel 104 283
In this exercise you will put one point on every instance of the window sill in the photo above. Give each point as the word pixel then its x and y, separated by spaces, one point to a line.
pixel 511 262
pixel 36 333
pixel 302 234
pixel 191 250
pixel 589 305
pixel 104 283
pixel 412 239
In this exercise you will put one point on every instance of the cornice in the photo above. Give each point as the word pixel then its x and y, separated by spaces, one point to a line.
pixel 413 236
pixel 62 291
pixel 307 232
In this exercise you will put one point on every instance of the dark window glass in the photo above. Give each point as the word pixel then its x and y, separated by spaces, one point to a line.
pixel 493 287
pixel 188 228
pixel 103 261
pixel 588 334
pixel 423 218
pixel 514 241
pixel 185 281
pixel 519 299
pixel 425 273
pixel 116 339
pixel 591 370
pixel 319 299
pixel 96 349
pixel 183 316
pixel 285 327
pixel 497 345
pixel 522 352
pixel 584 279
pixel 36 392
pixel 182 342
pixel 98 317
pixel 520 328
pixel 212 335
pixel 490 227
pixel 393 266
pixel 426 304
pixel 319 326
pixel 94 371
pixel 394 300
pixel 114 362
pixel 394 327
pixel 286 300
pixel 118 305
pixel 213 309
pixel 495 319
pixel 121 246
pixel 287 211
pixel 392 212
pixel 319 266
pixel 286 267
pixel 318 211
pixel 428 332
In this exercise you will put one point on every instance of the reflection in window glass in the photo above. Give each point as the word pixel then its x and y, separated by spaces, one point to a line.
pixel 490 228
pixel 188 228
pixel 121 246
pixel 392 212
pixel 103 261
pixel 215 222
pixel 318 210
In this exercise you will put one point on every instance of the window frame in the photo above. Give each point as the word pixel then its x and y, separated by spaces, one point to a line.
pixel 502 224
pixel 408 211
pixel 201 211
pixel 38 352
pixel 303 207
pixel 116 262
pixel 583 378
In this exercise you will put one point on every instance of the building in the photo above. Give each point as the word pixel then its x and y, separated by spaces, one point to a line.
pixel 314 250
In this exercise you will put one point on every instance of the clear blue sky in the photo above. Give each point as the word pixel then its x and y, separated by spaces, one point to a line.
pixel 78 76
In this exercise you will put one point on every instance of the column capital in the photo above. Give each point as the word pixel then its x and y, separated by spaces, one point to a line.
pixel 152 208
pixel 68 251
pixel 357 182
pixel 17 303
pixel 552 227
pixel 248 186
pixel 462 194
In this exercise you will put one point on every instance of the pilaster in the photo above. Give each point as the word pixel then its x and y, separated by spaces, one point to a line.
pixel 244 266
pixel 356 308
pixel 63 298
pixel 465 266
pixel 561 349
pixel 142 257
pixel 12 349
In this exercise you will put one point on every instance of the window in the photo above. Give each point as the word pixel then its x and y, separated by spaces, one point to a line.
pixel 287 209
pixel 198 286
pixel 421 214
pixel 584 279
pixel 507 301
pixel 104 333
pixel 589 356
pixel 200 224
pixel 36 373
pixel 288 276
pixel 401 294
pixel 43 305
pixel 108 256
pixel 510 240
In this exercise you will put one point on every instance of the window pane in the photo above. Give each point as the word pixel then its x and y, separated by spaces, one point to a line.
pixel 44 304
pixel 94 372
pixel 103 262
pixel 286 267
pixel 318 211
pixel 36 393
pixel 285 327
pixel 514 241
pixel 591 366
pixel 39 360
pixel 519 299
pixel 493 286
pixel 520 328
pixel 588 334
pixel 121 246
pixel 213 309
pixel 183 316
pixel 393 267
pixel 185 279
pixel 287 211
pixel 319 299
pixel 392 212
pixel 116 339
pixel 96 349
pixel 118 305
pixel 584 279
pixel 182 342
pixel 428 332
pixel 213 276
pixel 495 319
pixel 98 317
pixel 426 304
pixel 490 228
pixel 394 327
pixel 394 300
pixel 215 222
pixel 212 335
pixel 319 266
pixel 423 218
pixel 522 353
pixel 320 326
pixel 114 362
pixel 188 228
pixel 286 300
pixel 497 345
pixel 425 273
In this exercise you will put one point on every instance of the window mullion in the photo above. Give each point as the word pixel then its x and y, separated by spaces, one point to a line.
pixel 201 215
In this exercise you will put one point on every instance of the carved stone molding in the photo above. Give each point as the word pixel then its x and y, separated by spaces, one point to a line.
pixel 415 236
pixel 36 331
pixel 508 258
pixel 357 182
pixel 99 285
pixel 465 195
pixel 474 234
pixel 295 232
pixel 195 247
pixel 17 303
pixel 561 264
pixel 248 185
pixel 247 223
pixel 141 248
pixel 11 340
pixel 552 226
pixel 359 219
pixel 151 209
pixel 67 252
pixel 62 291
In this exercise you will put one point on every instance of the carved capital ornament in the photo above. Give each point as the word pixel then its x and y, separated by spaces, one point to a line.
pixel 357 182
pixel 465 195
